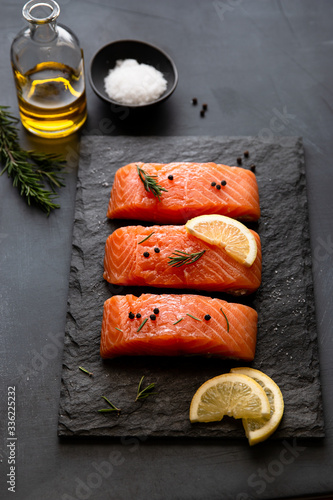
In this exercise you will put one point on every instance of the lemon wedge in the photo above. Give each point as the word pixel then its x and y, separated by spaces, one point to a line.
pixel 259 429
pixel 232 394
pixel 230 234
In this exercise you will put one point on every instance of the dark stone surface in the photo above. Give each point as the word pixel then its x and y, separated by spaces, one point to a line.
pixel 287 339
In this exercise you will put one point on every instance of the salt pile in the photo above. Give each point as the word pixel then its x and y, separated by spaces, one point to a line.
pixel 133 83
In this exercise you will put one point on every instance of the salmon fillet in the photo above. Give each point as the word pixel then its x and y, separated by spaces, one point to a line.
pixel 231 333
pixel 189 193
pixel 126 261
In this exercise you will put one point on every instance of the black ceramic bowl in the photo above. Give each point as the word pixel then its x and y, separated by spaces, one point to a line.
pixel 105 59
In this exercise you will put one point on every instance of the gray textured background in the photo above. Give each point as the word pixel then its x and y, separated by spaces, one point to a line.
pixel 265 69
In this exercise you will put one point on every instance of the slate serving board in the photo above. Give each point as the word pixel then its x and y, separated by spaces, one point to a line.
pixel 287 340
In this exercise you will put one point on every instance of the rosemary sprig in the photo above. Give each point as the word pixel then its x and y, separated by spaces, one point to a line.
pixel 36 175
pixel 180 258
pixel 146 238
pixel 144 393
pixel 150 183
pixel 119 330
pixel 85 371
pixel 113 407
pixel 225 318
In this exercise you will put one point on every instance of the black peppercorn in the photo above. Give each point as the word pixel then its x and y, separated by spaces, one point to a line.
pixel 131 315
pixel 152 317
pixel 223 183
pixel 156 250
pixel 156 310
pixel 239 160
pixel 246 154
pixel 207 317
pixel 138 315
pixel 253 168
pixel 170 177
pixel 213 184
pixel 218 186
pixel 204 106
pixel 146 254
pixel 202 113
pixel 194 101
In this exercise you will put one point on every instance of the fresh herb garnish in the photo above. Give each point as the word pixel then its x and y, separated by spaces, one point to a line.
pixel 178 321
pixel 144 393
pixel 119 330
pixel 36 175
pixel 180 258
pixel 85 371
pixel 225 319
pixel 142 324
pixel 150 183
pixel 146 238
pixel 113 407
pixel 188 314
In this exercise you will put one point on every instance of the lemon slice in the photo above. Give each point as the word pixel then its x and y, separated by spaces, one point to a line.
pixel 258 430
pixel 232 394
pixel 227 233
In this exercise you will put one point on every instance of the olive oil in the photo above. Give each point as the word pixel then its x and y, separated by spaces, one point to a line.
pixel 52 100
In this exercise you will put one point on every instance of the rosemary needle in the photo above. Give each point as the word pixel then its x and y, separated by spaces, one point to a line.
pixel 225 319
pixel 178 321
pixel 188 314
pixel 146 238
pixel 142 324
pixel 85 371
pixel 36 175
pixel 144 393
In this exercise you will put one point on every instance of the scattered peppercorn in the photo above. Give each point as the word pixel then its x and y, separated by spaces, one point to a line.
pixel 207 317
pixel 138 315
pixel 146 254
pixel 131 315
pixel 204 107
pixel 156 310
pixel 239 160
pixel 218 186
pixel 213 184
pixel 170 177
pixel 157 250
pixel 223 183
pixel 202 113
pixel 246 154
pixel 152 317
pixel 253 168
pixel 194 101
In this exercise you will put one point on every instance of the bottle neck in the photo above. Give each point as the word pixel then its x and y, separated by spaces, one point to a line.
pixel 42 16
pixel 43 33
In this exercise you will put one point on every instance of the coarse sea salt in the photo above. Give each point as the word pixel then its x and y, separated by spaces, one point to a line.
pixel 132 83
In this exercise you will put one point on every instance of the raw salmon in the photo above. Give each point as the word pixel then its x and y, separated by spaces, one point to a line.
pixel 188 192
pixel 129 260
pixel 207 327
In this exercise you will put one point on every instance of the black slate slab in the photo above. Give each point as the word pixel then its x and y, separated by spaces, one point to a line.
pixel 287 340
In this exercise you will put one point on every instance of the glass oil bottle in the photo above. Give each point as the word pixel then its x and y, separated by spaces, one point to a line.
pixel 48 69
